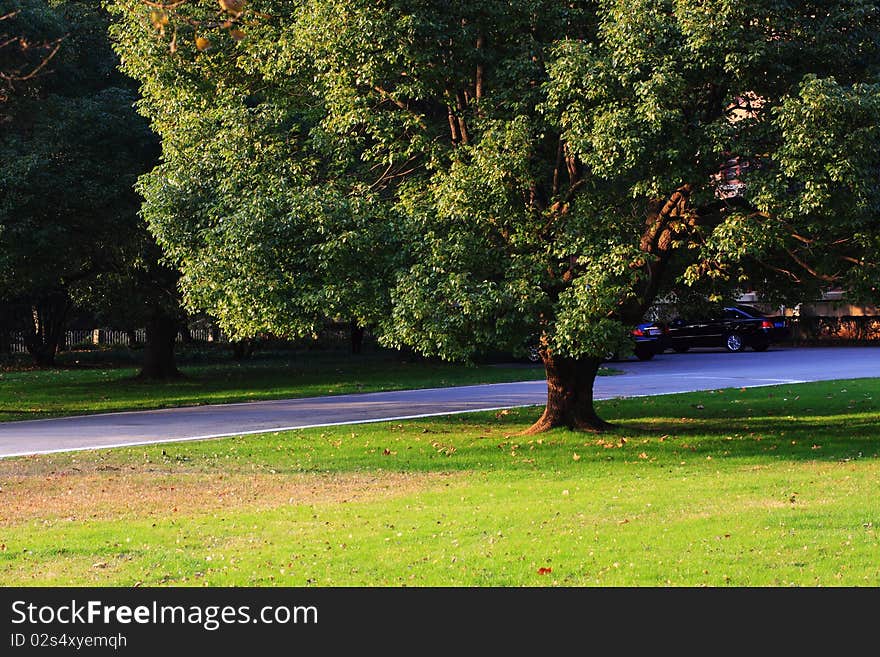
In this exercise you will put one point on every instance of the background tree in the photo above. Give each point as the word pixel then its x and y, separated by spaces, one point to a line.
pixel 546 169
pixel 140 292
pixel 70 152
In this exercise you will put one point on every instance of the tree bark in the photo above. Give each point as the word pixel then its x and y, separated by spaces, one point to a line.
pixel 161 334
pixel 5 342
pixel 242 349
pixel 357 337
pixel 569 395
pixel 46 329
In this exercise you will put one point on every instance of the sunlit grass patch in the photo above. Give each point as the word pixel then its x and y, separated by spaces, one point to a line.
pixel 688 490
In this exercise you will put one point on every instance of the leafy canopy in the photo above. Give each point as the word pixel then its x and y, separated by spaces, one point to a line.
pixel 469 174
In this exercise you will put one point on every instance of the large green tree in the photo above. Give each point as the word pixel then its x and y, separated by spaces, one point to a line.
pixel 543 170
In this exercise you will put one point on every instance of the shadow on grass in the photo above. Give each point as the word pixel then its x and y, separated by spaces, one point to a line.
pixel 826 421
pixel 822 422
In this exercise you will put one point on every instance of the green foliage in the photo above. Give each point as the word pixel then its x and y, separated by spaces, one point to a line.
pixel 468 174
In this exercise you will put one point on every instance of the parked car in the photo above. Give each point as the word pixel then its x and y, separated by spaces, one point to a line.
pixel 734 328
pixel 648 338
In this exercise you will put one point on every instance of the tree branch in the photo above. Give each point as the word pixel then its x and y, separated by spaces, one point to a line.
pixel 39 67
pixel 833 278
pixel 557 168
pixel 396 101
pixel 478 84
pixel 165 6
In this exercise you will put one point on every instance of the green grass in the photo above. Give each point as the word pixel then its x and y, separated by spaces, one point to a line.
pixel 756 487
pixel 90 385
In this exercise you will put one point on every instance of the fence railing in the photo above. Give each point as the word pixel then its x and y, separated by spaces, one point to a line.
pixel 105 337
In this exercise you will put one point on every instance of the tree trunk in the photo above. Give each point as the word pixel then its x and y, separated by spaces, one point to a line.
pixel 242 349
pixel 357 337
pixel 159 363
pixel 6 324
pixel 46 329
pixel 570 395
pixel 5 342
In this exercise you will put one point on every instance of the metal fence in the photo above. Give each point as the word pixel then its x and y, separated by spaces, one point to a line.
pixel 106 337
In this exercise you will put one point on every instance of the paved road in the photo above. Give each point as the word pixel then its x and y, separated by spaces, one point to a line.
pixel 706 370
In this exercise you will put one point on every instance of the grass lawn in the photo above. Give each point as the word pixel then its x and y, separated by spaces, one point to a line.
pixel 89 384
pixel 768 486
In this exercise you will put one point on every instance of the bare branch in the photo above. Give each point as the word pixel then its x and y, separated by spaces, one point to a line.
pixel 453 126
pixel 165 6
pixel 832 278
pixel 38 68
pixel 779 270
pixel 557 167
pixel 478 85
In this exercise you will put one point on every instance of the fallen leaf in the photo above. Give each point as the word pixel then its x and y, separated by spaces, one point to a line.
pixel 576 457
pixel 544 571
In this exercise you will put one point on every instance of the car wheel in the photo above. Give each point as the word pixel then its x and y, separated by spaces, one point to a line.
pixel 644 354
pixel 680 349
pixel 733 342
pixel 534 354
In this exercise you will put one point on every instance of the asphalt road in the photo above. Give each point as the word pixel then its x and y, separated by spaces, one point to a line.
pixel 667 373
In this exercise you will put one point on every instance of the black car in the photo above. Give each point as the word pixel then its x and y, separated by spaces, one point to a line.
pixel 734 328
pixel 649 340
